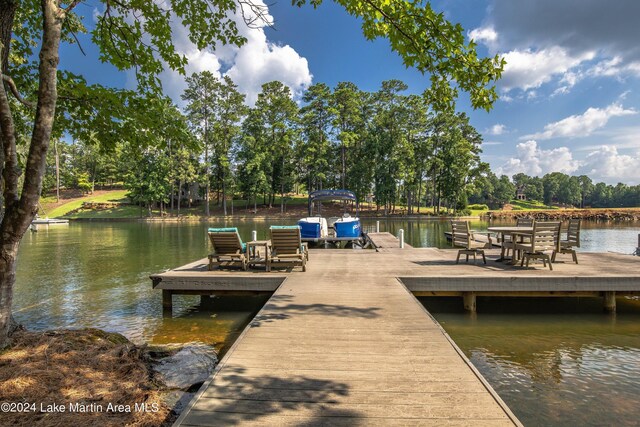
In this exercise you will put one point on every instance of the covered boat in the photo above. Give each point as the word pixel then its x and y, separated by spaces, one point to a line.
pixel 313 227
pixel 347 226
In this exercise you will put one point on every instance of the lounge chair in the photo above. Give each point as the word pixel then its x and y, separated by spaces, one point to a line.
pixel 287 247
pixel 573 241
pixel 462 236
pixel 544 238
pixel 227 246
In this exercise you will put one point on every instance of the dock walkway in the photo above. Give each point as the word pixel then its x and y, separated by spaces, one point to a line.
pixel 345 344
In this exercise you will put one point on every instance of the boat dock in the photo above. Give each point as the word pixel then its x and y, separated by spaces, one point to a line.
pixel 347 343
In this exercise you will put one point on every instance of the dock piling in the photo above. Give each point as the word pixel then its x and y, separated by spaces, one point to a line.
pixel 469 301
pixel 610 301
pixel 401 238
pixel 638 247
pixel 378 230
pixel 254 235
pixel 167 300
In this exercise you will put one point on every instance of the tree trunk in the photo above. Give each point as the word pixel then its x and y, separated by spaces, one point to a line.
pixel 344 166
pixel 179 195
pixel 19 211
pixel 206 168
pixel 173 192
pixel 224 194
pixel 55 147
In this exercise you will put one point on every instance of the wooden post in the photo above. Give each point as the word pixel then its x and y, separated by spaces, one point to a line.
pixel 469 301
pixel 254 235
pixel 167 300
pixel 401 238
pixel 610 301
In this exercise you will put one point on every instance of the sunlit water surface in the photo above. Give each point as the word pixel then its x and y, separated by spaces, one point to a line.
pixel 555 362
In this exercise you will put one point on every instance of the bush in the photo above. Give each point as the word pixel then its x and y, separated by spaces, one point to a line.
pixel 463 212
pixel 478 207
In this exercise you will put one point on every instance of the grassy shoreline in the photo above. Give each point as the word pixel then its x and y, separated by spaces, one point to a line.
pixel 113 206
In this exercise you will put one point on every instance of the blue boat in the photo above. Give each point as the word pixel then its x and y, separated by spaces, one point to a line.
pixel 347 227
pixel 314 227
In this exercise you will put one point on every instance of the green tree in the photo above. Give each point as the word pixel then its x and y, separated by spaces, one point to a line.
pixel 200 96
pixel 277 115
pixel 586 188
pixel 315 120
pixel 228 110
pixel 346 102
pixel 138 36
pixel 252 157
pixel 535 189
pixel 427 41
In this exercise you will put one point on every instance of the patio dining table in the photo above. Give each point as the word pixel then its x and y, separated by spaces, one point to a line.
pixel 510 231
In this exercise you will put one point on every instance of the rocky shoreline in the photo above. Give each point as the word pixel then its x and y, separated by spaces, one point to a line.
pixel 598 215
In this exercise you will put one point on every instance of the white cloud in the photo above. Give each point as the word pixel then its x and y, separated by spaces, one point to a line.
pixel 581 125
pixel 606 164
pixel 528 69
pixel 485 35
pixel 497 129
pixel 257 62
pixel 614 67
pixel 534 161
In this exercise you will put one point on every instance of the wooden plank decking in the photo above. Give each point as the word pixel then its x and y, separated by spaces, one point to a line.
pixel 346 343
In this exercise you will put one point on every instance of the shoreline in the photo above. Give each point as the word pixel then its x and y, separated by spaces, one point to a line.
pixel 604 214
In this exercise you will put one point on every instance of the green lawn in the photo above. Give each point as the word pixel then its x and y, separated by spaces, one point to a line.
pixel 529 205
pixel 63 210
pixel 124 211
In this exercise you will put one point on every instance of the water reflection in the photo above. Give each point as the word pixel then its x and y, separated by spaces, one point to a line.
pixel 554 361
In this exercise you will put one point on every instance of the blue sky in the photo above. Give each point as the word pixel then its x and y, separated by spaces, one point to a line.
pixel 569 94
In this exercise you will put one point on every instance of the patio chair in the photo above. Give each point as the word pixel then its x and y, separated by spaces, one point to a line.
pixel 463 236
pixel 572 241
pixel 287 247
pixel 544 238
pixel 227 246
pixel 507 244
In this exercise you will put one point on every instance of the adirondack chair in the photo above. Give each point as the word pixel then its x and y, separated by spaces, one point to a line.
pixel 544 238
pixel 287 247
pixel 462 236
pixel 227 246
pixel 572 241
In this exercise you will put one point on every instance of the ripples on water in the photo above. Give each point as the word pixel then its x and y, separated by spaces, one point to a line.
pixel 554 361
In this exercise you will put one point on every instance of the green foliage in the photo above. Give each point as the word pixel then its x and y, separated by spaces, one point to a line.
pixel 83 183
pixel 427 41
pixel 478 207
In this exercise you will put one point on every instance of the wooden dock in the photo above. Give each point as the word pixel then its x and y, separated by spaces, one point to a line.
pixel 346 343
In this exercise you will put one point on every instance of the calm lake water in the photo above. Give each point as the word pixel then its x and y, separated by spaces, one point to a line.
pixel 554 361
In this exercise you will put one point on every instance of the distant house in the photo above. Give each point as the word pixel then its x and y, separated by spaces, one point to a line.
pixel 520 193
